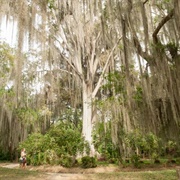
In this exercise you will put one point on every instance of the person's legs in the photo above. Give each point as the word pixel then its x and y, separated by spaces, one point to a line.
pixel 21 163
pixel 24 163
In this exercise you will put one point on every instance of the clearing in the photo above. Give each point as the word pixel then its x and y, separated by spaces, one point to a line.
pixel 110 172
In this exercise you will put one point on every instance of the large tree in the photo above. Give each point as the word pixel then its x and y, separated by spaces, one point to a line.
pixel 72 46
pixel 81 44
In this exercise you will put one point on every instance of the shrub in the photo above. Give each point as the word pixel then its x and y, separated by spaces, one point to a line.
pixel 68 139
pixel 37 147
pixel 135 160
pixel 178 161
pixel 68 161
pixel 102 141
pixel 62 141
pixel 88 162
pixel 4 155
pixel 148 144
pixel 51 157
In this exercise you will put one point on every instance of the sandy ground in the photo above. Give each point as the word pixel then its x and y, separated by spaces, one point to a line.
pixel 60 173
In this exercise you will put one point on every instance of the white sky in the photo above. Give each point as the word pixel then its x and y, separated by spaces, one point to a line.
pixel 8 32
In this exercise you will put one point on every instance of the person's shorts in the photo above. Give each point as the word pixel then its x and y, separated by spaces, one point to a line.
pixel 24 160
pixel 21 160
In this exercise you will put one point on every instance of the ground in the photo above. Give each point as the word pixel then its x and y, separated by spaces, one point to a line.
pixel 61 173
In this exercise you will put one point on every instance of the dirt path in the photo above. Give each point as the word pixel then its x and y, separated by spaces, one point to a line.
pixel 53 175
pixel 13 165
pixel 65 176
pixel 60 173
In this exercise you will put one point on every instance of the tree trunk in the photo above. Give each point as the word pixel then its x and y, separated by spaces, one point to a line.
pixel 87 115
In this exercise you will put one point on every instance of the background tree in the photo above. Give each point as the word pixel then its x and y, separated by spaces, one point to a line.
pixel 122 55
pixel 81 45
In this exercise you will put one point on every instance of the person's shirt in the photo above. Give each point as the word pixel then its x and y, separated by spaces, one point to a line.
pixel 23 154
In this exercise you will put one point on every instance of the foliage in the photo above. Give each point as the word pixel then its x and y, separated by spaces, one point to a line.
pixel 4 155
pixel 27 115
pixel 82 45
pixel 114 80
pixel 138 95
pixel 88 162
pixel 8 94
pixel 58 146
pixel 51 4
pixel 68 161
pixel 171 149
pixel 6 59
pixel 72 115
pixel 172 48
pixel 135 160
pixel 102 140
pixel 44 111
pixel 149 144
pixel 68 138
pixel 40 149
pixel 153 145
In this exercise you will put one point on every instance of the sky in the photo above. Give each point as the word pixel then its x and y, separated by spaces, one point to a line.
pixel 8 32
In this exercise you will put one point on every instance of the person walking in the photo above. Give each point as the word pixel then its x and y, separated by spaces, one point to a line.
pixel 23 158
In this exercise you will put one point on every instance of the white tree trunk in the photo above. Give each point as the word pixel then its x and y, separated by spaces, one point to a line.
pixel 87 115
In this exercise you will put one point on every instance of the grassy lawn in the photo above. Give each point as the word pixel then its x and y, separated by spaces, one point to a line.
pixel 19 174
pixel 143 175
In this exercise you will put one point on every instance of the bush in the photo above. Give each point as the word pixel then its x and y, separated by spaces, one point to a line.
pixel 88 162
pixel 4 155
pixel 135 160
pixel 68 161
pixel 145 145
pixel 62 141
pixel 178 161
pixel 38 147
pixel 102 141
pixel 68 139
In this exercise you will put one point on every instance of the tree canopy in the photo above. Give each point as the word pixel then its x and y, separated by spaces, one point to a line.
pixel 97 61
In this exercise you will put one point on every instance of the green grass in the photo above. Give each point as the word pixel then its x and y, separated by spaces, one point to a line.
pixel 143 175
pixel 23 174
pixel 19 174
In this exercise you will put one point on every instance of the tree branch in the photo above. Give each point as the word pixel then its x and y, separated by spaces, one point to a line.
pixel 93 63
pixel 66 58
pixel 72 66
pixel 161 24
pixel 104 69
pixel 142 53
pixel 145 2
pixel 92 56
